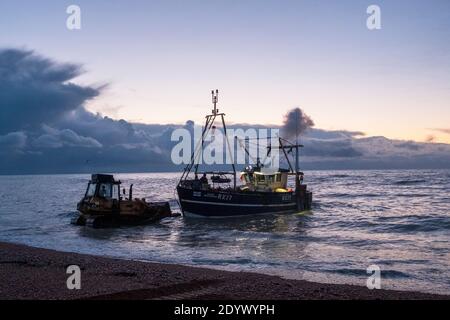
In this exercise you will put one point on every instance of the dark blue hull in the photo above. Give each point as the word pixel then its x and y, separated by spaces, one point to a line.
pixel 215 203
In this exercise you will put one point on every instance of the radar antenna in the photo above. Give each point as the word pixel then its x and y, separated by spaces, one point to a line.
pixel 215 99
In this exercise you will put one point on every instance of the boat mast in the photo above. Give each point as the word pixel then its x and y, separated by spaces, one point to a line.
pixel 283 145
pixel 208 125
pixel 215 99
pixel 222 115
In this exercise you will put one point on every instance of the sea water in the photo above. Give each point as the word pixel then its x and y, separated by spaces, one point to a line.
pixel 396 219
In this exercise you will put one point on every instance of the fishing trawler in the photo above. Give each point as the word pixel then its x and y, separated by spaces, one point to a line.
pixel 260 191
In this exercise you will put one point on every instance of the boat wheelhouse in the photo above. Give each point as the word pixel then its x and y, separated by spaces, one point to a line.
pixel 261 191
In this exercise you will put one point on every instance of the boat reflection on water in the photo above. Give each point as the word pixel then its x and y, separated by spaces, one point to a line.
pixel 247 236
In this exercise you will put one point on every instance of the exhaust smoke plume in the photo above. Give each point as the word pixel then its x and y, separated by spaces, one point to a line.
pixel 295 123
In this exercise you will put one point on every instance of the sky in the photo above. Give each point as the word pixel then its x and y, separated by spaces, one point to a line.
pixel 108 97
pixel 158 60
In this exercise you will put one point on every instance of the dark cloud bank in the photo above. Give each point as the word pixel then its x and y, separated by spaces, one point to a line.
pixel 45 128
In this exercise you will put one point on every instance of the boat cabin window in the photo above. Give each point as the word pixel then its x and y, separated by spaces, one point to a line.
pixel 273 181
pixel 116 192
pixel 246 178
pixel 265 179
pixel 105 190
pixel 91 190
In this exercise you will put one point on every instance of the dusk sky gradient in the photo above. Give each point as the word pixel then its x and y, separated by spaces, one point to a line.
pixel 161 58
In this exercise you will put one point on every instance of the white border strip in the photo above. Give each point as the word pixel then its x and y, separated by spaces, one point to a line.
pixel 241 205
pixel 187 214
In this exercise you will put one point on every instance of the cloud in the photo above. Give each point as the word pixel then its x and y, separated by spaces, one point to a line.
pixel 54 138
pixel 45 128
pixel 443 130
pixel 35 90
pixel 330 148
pixel 43 115
pixel 13 141
pixel 411 145
pixel 104 129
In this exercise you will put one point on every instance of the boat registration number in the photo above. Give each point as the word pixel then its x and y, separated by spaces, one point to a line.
pixel 226 197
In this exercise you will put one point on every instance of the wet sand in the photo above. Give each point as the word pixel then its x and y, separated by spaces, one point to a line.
pixel 33 273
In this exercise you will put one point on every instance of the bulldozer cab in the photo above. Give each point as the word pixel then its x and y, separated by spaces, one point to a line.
pixel 103 186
